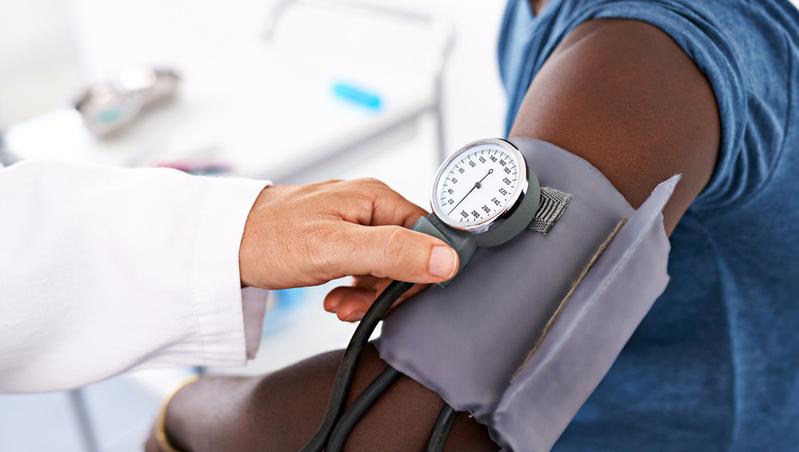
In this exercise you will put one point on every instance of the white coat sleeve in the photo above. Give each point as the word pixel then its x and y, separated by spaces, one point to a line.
pixel 104 270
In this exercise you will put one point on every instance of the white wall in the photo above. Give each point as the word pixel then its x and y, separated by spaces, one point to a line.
pixel 38 58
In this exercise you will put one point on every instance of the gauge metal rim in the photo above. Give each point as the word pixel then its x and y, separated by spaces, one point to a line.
pixel 521 189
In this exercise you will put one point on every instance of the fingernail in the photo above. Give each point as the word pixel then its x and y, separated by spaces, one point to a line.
pixel 443 262
pixel 355 316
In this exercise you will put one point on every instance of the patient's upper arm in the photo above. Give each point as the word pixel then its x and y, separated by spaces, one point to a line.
pixel 623 95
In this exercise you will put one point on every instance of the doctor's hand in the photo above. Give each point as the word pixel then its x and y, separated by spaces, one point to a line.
pixel 307 235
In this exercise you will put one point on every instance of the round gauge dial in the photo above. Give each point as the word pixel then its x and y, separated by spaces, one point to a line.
pixel 478 184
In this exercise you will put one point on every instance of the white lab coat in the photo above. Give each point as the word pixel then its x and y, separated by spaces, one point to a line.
pixel 104 270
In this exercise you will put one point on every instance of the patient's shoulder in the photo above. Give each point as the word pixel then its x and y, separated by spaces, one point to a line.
pixel 625 97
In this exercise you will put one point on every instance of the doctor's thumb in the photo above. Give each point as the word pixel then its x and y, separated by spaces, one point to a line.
pixel 400 254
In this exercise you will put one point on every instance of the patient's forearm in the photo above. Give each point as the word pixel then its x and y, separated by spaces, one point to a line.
pixel 281 411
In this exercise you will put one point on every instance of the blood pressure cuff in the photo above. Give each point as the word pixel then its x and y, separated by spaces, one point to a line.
pixel 526 332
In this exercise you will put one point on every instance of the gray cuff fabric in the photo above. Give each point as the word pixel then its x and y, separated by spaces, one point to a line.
pixel 471 340
pixel 587 333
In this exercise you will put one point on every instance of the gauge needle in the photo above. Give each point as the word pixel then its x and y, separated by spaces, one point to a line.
pixel 477 184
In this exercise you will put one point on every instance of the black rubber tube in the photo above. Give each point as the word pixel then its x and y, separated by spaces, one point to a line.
pixel 346 370
pixel 359 408
pixel 441 429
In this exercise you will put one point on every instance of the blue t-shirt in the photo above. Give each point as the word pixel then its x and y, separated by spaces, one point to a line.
pixel 715 364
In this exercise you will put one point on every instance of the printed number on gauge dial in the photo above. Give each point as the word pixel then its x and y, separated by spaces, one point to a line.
pixel 478 185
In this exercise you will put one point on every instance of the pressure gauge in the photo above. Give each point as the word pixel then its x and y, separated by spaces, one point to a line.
pixel 483 185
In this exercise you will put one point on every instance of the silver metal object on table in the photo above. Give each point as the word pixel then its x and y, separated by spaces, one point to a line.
pixel 108 107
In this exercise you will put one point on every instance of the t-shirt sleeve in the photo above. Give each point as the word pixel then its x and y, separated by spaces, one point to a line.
pixel 740 164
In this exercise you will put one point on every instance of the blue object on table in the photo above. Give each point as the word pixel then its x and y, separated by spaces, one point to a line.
pixel 357 95
pixel 288 299
pixel 286 302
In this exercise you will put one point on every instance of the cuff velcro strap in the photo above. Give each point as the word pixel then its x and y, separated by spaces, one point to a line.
pixel 551 206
